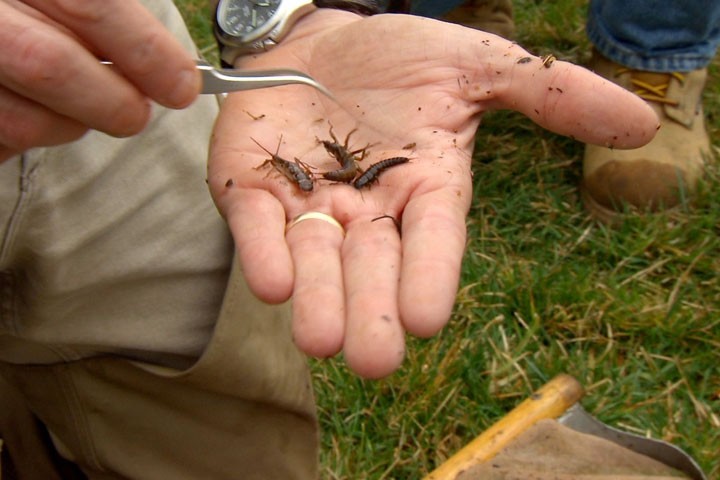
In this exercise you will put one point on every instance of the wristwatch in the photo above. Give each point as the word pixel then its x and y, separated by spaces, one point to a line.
pixel 251 26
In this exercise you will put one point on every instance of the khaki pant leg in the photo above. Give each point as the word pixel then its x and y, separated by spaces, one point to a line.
pixel 113 245
pixel 114 262
pixel 27 451
pixel 244 411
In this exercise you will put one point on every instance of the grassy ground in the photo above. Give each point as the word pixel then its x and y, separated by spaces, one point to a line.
pixel 633 313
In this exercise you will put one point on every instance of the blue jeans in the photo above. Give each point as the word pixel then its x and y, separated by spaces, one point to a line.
pixel 653 35
pixel 656 35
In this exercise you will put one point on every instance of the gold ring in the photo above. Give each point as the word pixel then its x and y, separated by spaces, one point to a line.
pixel 314 216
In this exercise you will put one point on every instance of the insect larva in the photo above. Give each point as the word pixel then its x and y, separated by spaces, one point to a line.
pixel 374 171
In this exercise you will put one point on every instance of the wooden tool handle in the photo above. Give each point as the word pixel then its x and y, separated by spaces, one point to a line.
pixel 550 401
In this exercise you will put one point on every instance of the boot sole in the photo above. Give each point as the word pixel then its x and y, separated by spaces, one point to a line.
pixel 599 212
pixel 612 217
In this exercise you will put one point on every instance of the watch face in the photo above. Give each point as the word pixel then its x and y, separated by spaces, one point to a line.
pixel 245 17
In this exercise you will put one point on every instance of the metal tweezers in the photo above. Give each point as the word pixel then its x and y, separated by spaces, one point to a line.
pixel 226 80
pixel 216 80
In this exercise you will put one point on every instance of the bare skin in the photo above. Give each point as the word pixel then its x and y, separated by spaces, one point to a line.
pixel 360 294
pixel 400 81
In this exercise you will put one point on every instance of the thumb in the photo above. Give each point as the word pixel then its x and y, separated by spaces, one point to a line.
pixel 569 100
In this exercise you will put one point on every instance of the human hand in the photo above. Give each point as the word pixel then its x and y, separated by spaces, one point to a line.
pixel 52 87
pixel 412 87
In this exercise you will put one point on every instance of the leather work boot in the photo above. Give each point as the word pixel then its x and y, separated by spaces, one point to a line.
pixel 494 16
pixel 663 173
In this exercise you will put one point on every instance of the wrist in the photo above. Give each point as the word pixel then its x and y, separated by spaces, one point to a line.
pixel 310 30
pixel 244 27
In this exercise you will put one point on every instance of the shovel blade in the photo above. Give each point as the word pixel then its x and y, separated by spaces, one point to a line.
pixel 577 418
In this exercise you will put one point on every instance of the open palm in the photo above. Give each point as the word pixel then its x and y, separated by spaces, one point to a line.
pixel 406 87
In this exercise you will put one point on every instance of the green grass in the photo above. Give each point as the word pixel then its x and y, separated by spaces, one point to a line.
pixel 633 313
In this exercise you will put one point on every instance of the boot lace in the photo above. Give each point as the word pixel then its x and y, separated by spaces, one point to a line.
pixel 653 93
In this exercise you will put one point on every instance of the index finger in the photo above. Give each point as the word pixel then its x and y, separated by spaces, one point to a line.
pixel 138 44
